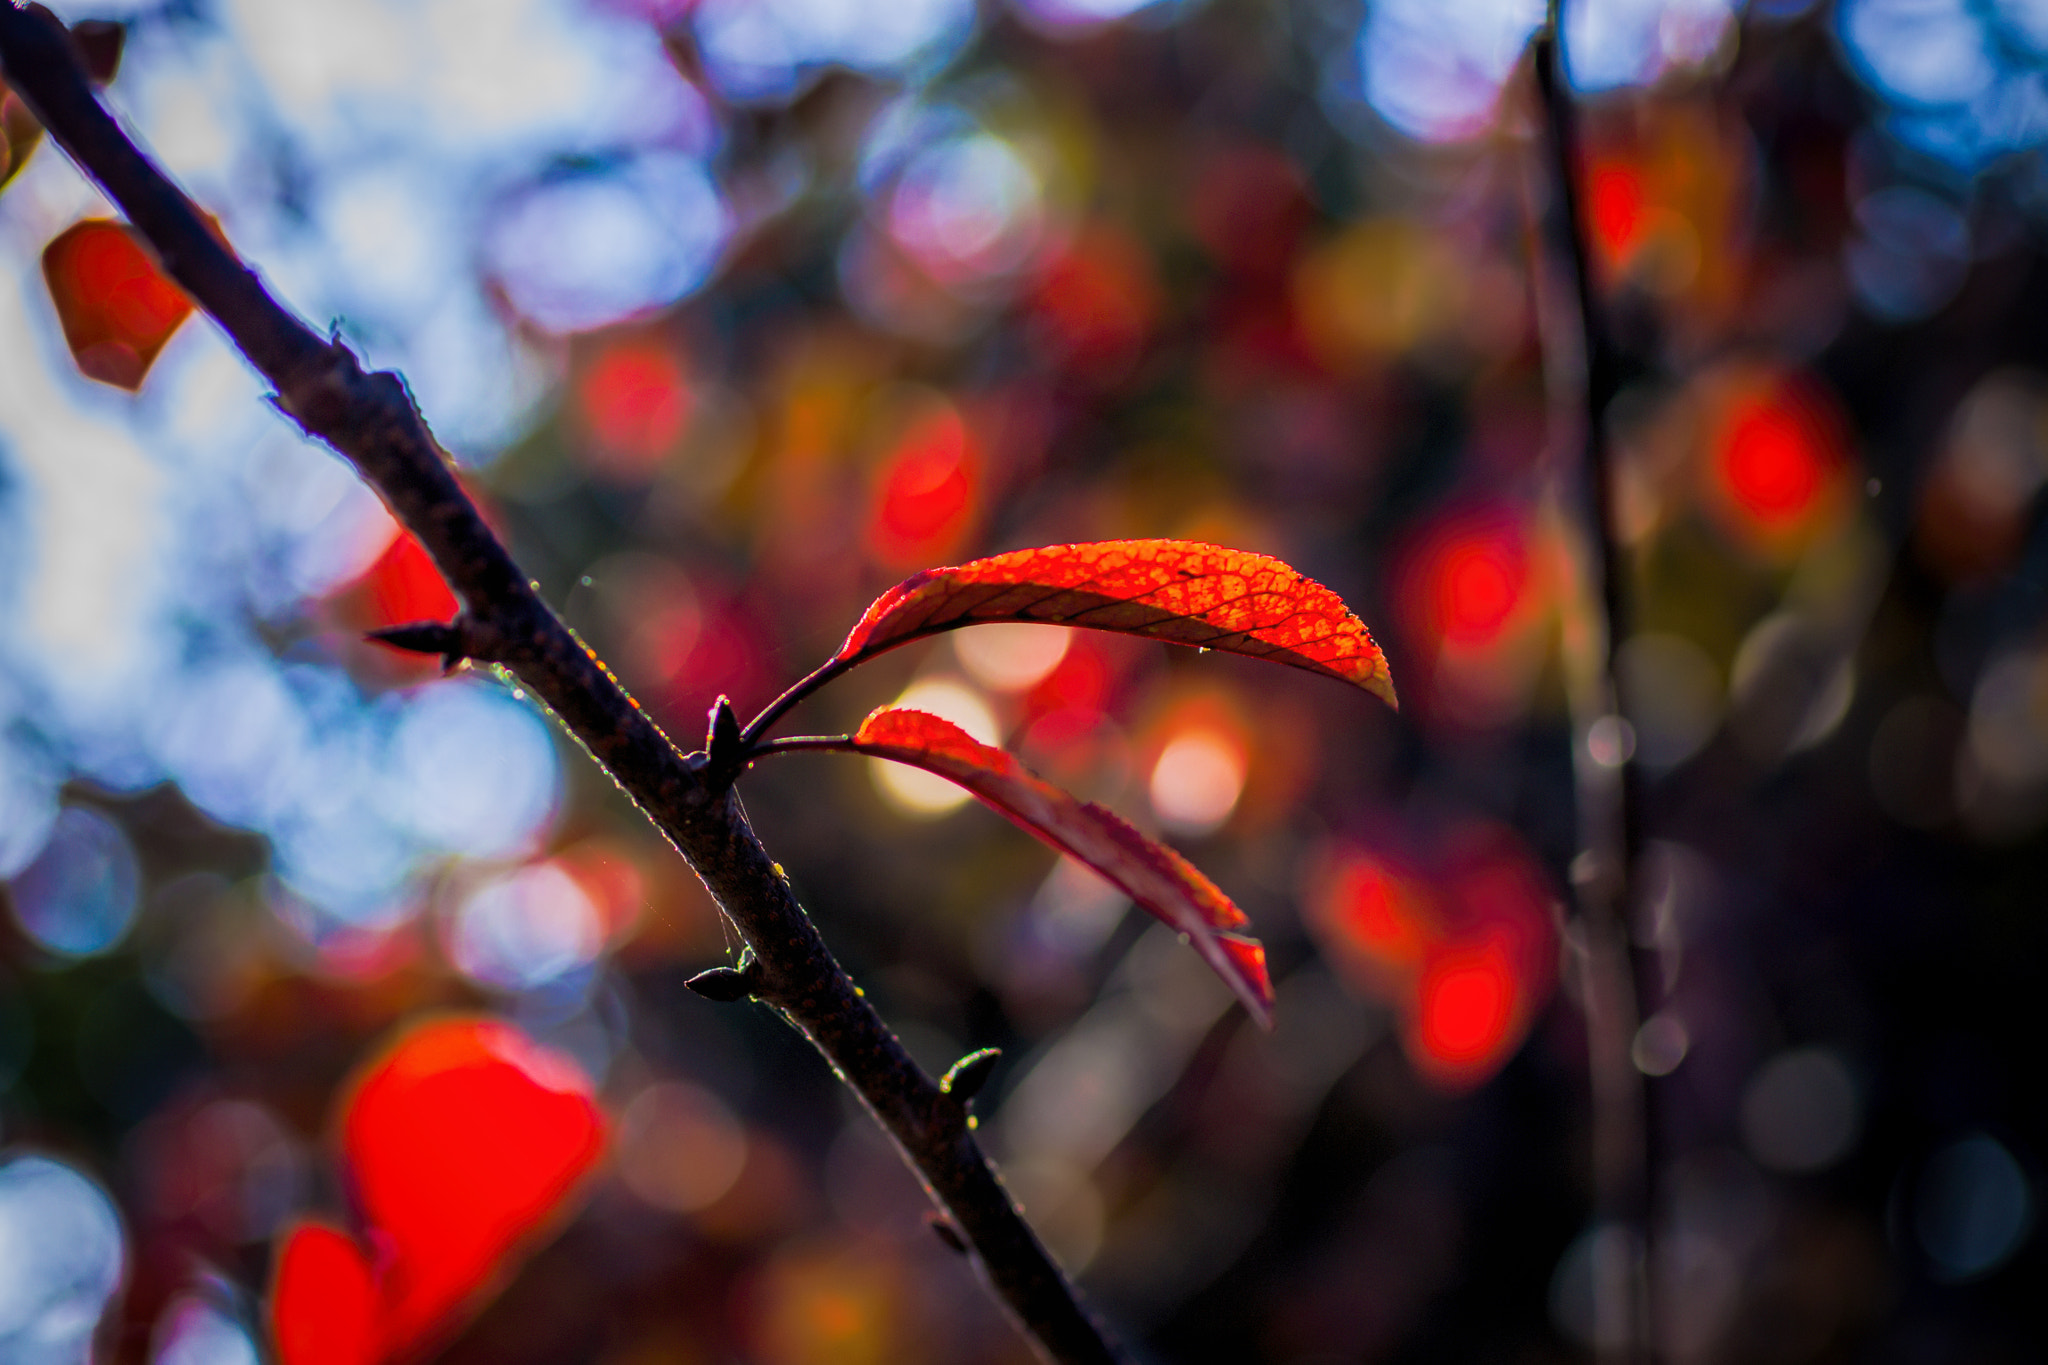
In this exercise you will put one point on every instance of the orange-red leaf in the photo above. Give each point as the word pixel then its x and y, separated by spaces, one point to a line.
pixel 118 308
pixel 1175 590
pixel 1153 875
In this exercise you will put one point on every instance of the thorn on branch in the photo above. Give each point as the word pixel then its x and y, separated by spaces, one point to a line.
pixel 965 1079
pixel 727 985
pixel 449 639
pixel 942 1226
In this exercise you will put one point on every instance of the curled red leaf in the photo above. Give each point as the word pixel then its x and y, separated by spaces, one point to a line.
pixel 1175 590
pixel 1154 876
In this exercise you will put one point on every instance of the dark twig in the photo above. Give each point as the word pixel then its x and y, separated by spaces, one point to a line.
pixel 370 419
pixel 1610 798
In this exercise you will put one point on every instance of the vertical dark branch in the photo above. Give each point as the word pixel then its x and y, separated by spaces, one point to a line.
pixel 1605 375
pixel 1610 807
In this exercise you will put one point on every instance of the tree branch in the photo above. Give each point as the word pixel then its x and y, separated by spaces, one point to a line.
pixel 369 418
pixel 1610 803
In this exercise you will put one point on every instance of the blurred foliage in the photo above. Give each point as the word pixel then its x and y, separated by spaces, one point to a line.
pixel 736 312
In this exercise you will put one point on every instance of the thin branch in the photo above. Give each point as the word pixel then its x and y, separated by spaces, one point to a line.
pixel 369 418
pixel 1610 804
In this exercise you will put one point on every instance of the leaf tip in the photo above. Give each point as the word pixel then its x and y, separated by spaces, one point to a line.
pixel 1381 685
pixel 1247 975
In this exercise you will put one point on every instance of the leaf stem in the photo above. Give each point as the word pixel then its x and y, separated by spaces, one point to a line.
pixel 800 744
pixel 801 688
pixel 369 418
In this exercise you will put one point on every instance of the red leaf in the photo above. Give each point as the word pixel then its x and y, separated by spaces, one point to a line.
pixel 1153 875
pixel 1175 590
pixel 117 306
pixel 462 1143
pixel 323 1300
pixel 406 585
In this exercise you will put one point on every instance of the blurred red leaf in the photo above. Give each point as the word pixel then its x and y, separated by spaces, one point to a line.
pixel 1461 944
pixel 1469 578
pixel 117 307
pixel 323 1300
pixel 1175 590
pixel 1154 876
pixel 634 402
pixel 463 1141
pixel 461 1144
pixel 1379 919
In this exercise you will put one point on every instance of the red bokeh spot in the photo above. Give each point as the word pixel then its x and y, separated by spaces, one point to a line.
pixel 323 1300
pixel 1467 1008
pixel 117 308
pixel 1095 302
pixel 464 1141
pixel 1063 734
pixel 1475 575
pixel 1380 914
pixel 724 653
pixel 925 496
pixel 1776 455
pixel 1078 684
pixel 1615 203
pixel 1456 935
pixel 634 399
pixel 1248 209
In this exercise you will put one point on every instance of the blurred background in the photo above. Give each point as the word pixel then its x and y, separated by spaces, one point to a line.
pixel 736 312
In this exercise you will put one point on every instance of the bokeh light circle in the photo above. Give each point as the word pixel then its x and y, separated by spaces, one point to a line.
pixel 913 792
pixel 78 896
pixel 1800 1111
pixel 1975 1208
pixel 62 1256
pixel 473 770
